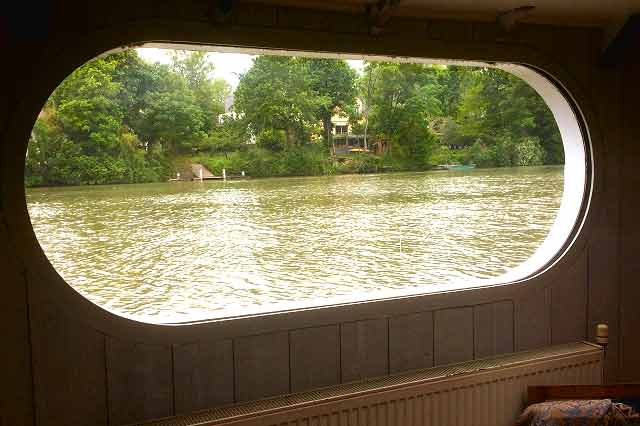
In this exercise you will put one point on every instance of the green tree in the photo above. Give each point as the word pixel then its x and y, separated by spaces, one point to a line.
pixel 175 120
pixel 196 70
pixel 226 137
pixel 403 102
pixel 333 82
pixel 87 109
pixel 450 80
pixel 272 139
pixel 48 152
pixel 366 85
pixel 499 110
pixel 118 119
pixel 137 79
pixel 275 93
pixel 193 67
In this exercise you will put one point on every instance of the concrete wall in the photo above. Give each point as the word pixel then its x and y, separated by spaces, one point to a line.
pixel 67 362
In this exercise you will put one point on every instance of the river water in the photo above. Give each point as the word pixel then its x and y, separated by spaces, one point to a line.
pixel 190 251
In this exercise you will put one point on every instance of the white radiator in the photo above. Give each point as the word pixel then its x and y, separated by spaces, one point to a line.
pixel 489 392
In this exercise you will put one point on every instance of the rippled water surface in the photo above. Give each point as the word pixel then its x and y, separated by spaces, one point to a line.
pixel 185 251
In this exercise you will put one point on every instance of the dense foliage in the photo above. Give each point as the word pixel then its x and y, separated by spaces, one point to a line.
pixel 119 119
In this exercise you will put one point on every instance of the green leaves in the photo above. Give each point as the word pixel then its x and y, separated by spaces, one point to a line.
pixel 276 94
pixel 293 95
pixel 175 119
pixel 507 120
pixel 120 119
pixel 192 67
pixel 332 81
pixel 87 106
pixel 403 101
pixel 117 118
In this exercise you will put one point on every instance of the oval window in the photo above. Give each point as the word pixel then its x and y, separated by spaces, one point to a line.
pixel 171 186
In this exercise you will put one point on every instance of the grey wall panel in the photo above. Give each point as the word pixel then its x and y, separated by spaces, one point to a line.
pixel 315 357
pixel 203 375
pixel 17 405
pixel 411 342
pixel 630 234
pixel 364 349
pixel 68 366
pixel 604 251
pixel 261 366
pixel 579 42
pixel 453 335
pixel 493 329
pixel 140 381
pixel 533 320
pixel 568 305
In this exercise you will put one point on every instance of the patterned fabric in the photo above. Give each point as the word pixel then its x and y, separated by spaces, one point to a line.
pixel 626 414
pixel 597 412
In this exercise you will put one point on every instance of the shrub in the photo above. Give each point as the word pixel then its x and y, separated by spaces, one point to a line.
pixel 506 152
pixel 529 152
pixel 272 139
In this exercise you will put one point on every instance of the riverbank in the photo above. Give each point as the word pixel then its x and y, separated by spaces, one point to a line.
pixel 256 162
pixel 308 161
pixel 314 160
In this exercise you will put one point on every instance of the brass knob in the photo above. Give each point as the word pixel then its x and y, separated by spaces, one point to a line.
pixel 602 334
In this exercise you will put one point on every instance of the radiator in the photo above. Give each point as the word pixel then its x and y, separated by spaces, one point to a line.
pixel 486 392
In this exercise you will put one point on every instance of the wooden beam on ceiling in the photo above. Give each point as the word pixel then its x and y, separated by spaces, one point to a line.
pixel 379 14
pixel 509 19
pixel 624 47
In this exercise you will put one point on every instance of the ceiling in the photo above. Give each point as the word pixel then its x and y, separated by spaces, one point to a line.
pixel 601 13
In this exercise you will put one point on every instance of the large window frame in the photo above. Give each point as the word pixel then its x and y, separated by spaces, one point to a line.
pixel 518 60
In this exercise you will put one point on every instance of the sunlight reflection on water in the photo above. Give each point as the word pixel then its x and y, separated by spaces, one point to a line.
pixel 191 251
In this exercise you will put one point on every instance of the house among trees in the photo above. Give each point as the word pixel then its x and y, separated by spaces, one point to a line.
pixel 345 140
pixel 348 140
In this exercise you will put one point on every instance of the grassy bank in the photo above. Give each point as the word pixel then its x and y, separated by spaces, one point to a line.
pixel 302 161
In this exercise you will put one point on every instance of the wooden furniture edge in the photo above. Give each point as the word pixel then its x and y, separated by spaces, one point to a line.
pixel 536 394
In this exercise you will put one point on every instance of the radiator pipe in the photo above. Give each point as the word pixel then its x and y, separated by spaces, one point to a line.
pixel 602 338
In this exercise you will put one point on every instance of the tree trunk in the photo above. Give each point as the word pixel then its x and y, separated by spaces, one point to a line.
pixel 288 139
pixel 366 127
pixel 326 123
pixel 370 83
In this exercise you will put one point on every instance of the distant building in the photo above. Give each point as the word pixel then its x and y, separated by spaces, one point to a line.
pixel 229 113
pixel 344 140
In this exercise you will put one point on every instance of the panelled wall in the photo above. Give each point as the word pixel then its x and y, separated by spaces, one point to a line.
pixel 629 320
pixel 66 362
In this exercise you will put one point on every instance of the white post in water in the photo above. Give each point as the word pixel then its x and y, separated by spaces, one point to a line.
pixel 200 173
pixel 224 174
